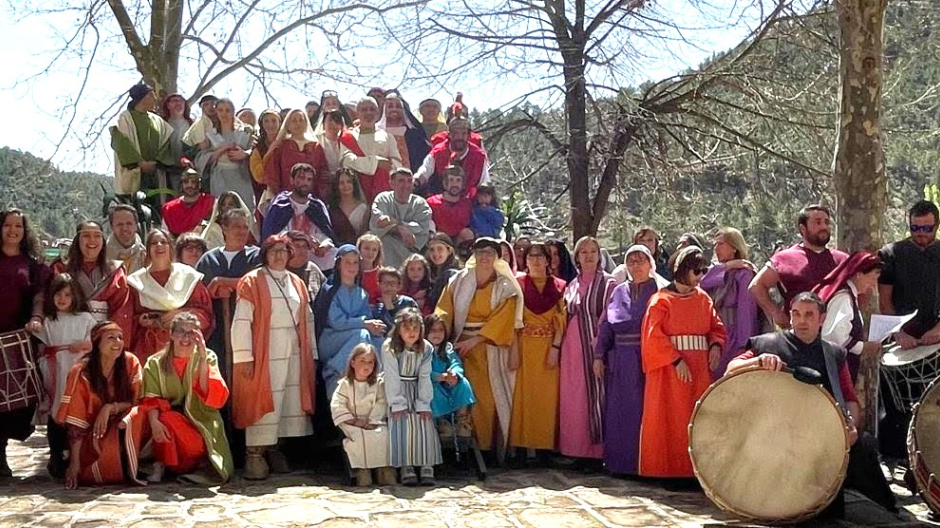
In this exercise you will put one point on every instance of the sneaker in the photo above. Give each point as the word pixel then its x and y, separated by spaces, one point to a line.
pixel 408 476
pixel 427 476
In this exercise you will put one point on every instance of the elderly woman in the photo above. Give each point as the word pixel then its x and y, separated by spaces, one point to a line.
pixel 24 277
pixel 617 360
pixel 160 291
pixel 183 392
pixel 343 308
pixel 582 393
pixel 482 306
pixel 726 283
pixel 104 437
pixel 225 152
pixel 295 144
pixel 103 282
pixel 275 359
pixel 535 400
pixel 682 340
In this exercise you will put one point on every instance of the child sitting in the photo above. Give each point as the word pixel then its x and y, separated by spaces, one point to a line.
pixel 407 360
pixel 487 219
pixel 390 302
pixel 416 278
pixel 359 409
pixel 452 391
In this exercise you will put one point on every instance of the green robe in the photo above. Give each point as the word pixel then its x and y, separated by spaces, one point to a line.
pixel 159 384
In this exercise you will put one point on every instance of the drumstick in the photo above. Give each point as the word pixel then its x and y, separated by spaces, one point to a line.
pixel 806 375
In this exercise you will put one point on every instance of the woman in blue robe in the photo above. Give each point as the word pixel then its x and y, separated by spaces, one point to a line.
pixel 343 317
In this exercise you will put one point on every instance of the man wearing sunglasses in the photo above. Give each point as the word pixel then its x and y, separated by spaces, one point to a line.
pixel 909 281
pixel 798 268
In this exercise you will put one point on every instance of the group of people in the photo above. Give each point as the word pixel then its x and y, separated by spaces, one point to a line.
pixel 198 340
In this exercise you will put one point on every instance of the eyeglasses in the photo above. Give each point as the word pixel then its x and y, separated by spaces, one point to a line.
pixel 637 262
pixel 700 271
pixel 922 228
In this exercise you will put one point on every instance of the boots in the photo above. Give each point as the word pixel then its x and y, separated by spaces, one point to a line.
pixel 363 477
pixel 255 466
pixel 5 471
pixel 464 425
pixel 276 460
pixel 386 476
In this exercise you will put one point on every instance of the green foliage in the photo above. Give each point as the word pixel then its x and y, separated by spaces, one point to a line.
pixel 54 201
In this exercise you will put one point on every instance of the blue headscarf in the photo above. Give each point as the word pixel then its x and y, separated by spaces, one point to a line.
pixel 324 298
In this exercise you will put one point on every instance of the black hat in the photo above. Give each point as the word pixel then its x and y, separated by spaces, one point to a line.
pixel 138 92
pixel 486 242
pixel 207 97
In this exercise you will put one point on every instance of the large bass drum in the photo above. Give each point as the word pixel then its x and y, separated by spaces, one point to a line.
pixel 923 445
pixel 907 373
pixel 768 448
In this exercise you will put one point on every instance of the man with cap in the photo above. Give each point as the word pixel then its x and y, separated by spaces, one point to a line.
pixel 456 149
pixel 207 122
pixel 191 208
pixel 141 144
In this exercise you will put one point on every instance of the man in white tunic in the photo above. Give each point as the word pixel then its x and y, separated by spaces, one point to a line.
pixel 401 219
pixel 377 153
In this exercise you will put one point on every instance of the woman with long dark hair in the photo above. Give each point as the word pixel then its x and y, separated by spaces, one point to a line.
pixel 104 437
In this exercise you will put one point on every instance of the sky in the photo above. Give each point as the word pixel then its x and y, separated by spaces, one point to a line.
pixel 39 102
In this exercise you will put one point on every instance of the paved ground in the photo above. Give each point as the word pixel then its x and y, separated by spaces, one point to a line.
pixel 511 498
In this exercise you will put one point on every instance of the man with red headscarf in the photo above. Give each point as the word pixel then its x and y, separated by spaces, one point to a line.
pixel 457 148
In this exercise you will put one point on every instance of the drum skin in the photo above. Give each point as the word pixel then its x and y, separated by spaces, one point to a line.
pixel 768 448
pixel 923 445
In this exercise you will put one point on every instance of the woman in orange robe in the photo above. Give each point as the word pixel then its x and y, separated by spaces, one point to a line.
pixel 682 341
pixel 104 437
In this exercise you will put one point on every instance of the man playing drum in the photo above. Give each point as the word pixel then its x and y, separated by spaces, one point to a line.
pixel 801 346
pixel 910 281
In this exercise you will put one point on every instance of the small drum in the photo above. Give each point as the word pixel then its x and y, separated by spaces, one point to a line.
pixel 19 376
pixel 768 448
pixel 907 373
pixel 923 448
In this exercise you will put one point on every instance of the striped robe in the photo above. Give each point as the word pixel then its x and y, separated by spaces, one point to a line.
pixel 413 439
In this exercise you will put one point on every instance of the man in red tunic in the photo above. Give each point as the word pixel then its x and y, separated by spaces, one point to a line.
pixel 457 149
pixel 191 208
pixel 798 268
pixel 451 210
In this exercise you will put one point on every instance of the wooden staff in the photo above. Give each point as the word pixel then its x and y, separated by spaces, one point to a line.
pixel 227 338
pixel 866 387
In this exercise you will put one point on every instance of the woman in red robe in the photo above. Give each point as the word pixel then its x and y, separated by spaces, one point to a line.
pixel 104 437
pixel 682 341
pixel 295 144
pixel 160 291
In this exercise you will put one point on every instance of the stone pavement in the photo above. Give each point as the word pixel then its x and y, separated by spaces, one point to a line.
pixel 511 498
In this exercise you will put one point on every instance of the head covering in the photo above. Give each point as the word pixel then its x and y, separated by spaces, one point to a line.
pixel 513 265
pixel 486 242
pixel 411 121
pixel 207 97
pixel 640 248
pixel 858 262
pixel 137 93
pixel 101 328
pixel 683 254
pixel 165 109
pixel 440 115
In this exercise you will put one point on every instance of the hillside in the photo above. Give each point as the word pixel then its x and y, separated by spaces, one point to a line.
pixel 54 201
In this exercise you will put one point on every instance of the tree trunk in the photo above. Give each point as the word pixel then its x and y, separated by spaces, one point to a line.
pixel 859 172
pixel 577 157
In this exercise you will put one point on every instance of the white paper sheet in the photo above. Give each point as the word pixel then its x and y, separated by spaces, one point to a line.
pixel 883 326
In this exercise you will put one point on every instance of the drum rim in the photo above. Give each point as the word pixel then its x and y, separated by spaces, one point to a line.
pixel 918 466
pixel 723 505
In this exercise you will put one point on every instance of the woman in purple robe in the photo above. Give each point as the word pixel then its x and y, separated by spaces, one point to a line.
pixel 617 361
pixel 726 283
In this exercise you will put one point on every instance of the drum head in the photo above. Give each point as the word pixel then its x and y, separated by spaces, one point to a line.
pixel 923 446
pixel 767 447
pixel 896 357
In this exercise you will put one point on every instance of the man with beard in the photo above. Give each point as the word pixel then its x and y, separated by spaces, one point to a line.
pixel 191 208
pixel 205 124
pixel 909 281
pixel 398 121
pixel 451 210
pixel 455 150
pixel 798 268
pixel 124 244
pixel 298 210
pixel 401 219
pixel 370 152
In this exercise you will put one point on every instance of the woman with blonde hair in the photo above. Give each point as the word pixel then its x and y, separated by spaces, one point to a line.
pixel 224 157
pixel 295 144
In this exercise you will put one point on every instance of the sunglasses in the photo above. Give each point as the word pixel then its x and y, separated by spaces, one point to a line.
pixel 700 271
pixel 921 228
